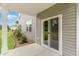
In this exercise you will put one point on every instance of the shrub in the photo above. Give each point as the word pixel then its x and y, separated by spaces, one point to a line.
pixel 20 36
pixel 23 39
pixel 17 34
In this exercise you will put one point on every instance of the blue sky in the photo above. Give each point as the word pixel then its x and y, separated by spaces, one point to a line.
pixel 12 17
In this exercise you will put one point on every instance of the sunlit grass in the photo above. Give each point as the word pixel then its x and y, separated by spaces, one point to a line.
pixel 0 39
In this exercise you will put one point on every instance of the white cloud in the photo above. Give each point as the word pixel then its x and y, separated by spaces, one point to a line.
pixel 12 16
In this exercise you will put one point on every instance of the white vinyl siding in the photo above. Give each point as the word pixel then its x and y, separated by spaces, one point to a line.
pixel 68 26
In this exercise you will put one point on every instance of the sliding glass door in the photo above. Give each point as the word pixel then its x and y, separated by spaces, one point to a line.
pixel 52 29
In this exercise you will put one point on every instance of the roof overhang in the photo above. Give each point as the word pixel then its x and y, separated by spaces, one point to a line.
pixel 30 8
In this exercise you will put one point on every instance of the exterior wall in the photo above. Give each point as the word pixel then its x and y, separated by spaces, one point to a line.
pixel 68 26
pixel 24 18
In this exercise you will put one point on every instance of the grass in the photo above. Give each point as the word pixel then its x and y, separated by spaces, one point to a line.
pixel 11 42
pixel 0 39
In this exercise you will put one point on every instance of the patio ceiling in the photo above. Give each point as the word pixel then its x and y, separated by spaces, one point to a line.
pixel 30 8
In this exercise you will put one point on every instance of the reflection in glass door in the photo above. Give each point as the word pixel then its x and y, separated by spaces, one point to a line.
pixel 54 41
pixel 45 32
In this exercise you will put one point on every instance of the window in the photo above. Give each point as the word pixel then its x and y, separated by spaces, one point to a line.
pixel 30 28
pixel 27 28
pixel 29 25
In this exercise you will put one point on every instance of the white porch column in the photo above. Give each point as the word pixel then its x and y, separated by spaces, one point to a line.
pixel 4 29
pixel 77 29
pixel 35 29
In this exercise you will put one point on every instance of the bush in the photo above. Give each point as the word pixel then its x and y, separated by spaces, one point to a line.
pixel 17 34
pixel 23 39
pixel 20 36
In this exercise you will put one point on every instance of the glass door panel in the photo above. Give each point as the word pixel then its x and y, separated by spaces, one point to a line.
pixel 45 32
pixel 54 32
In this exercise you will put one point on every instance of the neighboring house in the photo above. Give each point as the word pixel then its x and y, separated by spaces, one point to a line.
pixel 14 27
pixel 25 27
pixel 56 28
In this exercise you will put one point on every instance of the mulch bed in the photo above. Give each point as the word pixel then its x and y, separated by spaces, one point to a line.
pixel 19 44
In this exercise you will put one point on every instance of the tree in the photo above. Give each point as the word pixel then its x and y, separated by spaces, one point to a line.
pixel 17 22
pixel 0 26
pixel 8 28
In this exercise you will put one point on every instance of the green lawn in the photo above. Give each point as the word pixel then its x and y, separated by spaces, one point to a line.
pixel 11 42
pixel 0 39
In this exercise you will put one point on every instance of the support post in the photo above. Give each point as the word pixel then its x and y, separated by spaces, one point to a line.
pixel 4 49
pixel 77 29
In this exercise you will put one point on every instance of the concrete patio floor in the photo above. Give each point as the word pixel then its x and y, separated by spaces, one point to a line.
pixel 32 50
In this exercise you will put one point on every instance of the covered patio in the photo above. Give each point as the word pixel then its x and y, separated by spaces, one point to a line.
pixel 32 50
pixel 53 28
pixel 28 11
